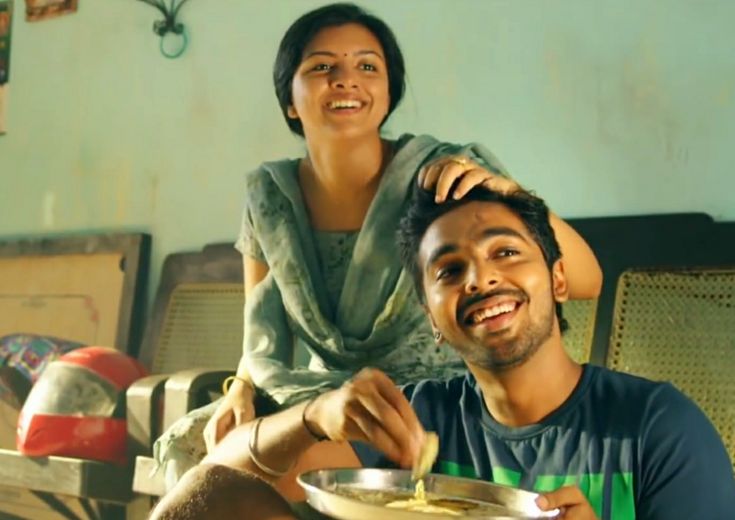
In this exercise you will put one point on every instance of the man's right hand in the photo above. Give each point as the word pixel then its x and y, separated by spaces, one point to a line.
pixel 236 408
pixel 369 408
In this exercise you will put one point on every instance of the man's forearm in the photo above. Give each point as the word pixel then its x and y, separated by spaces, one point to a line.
pixel 268 446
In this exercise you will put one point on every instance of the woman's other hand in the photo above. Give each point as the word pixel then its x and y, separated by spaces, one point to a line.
pixel 462 173
pixel 236 408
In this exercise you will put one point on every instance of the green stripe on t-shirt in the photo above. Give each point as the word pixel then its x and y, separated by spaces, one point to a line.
pixel 506 477
pixel 623 498
pixel 456 470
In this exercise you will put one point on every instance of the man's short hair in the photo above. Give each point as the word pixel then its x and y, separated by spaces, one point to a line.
pixel 423 210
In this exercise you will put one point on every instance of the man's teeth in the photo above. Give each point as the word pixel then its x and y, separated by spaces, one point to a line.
pixel 345 104
pixel 491 312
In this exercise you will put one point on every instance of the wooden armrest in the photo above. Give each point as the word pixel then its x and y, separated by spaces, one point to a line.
pixel 67 476
pixel 143 413
pixel 182 389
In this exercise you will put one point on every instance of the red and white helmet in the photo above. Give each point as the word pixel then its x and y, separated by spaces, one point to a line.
pixel 77 406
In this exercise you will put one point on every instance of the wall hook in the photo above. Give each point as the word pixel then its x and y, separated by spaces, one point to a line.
pixel 169 25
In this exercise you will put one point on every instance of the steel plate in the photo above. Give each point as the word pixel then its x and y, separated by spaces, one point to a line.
pixel 322 494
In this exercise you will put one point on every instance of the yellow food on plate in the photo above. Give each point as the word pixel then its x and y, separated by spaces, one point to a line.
pixel 421 506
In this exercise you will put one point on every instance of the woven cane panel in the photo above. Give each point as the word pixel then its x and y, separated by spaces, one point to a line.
pixel 202 328
pixel 680 327
pixel 580 314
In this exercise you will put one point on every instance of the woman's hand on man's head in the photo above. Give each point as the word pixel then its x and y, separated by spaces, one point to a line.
pixel 457 174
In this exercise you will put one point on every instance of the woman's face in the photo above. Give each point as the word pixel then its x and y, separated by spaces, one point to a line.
pixel 341 85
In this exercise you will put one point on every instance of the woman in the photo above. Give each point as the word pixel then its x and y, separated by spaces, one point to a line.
pixel 317 240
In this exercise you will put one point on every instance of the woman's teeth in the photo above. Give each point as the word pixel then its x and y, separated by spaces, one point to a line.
pixel 344 104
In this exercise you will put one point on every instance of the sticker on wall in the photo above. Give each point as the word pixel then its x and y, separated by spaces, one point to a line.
pixel 6 13
pixel 42 9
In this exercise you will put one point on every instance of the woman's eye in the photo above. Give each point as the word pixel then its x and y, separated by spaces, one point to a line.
pixel 369 67
pixel 322 66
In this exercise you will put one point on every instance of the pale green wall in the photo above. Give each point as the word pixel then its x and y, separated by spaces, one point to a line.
pixel 604 107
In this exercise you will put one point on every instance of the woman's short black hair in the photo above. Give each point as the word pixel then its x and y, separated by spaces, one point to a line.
pixel 303 30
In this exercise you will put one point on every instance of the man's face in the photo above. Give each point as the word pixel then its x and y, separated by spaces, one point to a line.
pixel 488 288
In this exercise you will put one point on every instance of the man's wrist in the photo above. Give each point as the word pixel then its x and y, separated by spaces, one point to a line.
pixel 311 424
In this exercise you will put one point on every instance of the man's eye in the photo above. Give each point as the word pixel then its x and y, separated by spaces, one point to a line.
pixel 508 251
pixel 448 272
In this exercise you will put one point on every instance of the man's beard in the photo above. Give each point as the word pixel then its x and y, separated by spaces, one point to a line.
pixel 499 355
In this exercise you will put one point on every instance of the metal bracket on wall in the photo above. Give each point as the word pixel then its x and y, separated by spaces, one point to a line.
pixel 169 25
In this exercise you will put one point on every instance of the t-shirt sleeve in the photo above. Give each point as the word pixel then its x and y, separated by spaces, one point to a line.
pixel 419 396
pixel 247 241
pixel 686 471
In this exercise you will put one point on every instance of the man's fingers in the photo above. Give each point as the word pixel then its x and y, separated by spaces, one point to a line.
pixel 567 496
pixel 393 425
pixel 395 398
pixel 378 396
pixel 409 419
pixel 371 431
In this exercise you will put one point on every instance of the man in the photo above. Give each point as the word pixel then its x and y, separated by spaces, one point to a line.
pixel 596 443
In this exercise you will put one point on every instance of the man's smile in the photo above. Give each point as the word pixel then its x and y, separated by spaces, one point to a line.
pixel 492 312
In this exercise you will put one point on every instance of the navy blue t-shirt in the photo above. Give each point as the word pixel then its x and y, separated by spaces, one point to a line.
pixel 636 448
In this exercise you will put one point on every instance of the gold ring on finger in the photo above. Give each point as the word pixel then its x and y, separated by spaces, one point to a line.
pixel 461 160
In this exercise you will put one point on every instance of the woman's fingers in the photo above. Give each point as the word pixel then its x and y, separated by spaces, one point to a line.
pixel 450 172
pixel 469 180
pixel 216 429
pixel 459 175
pixel 244 414
pixel 429 175
pixel 442 174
